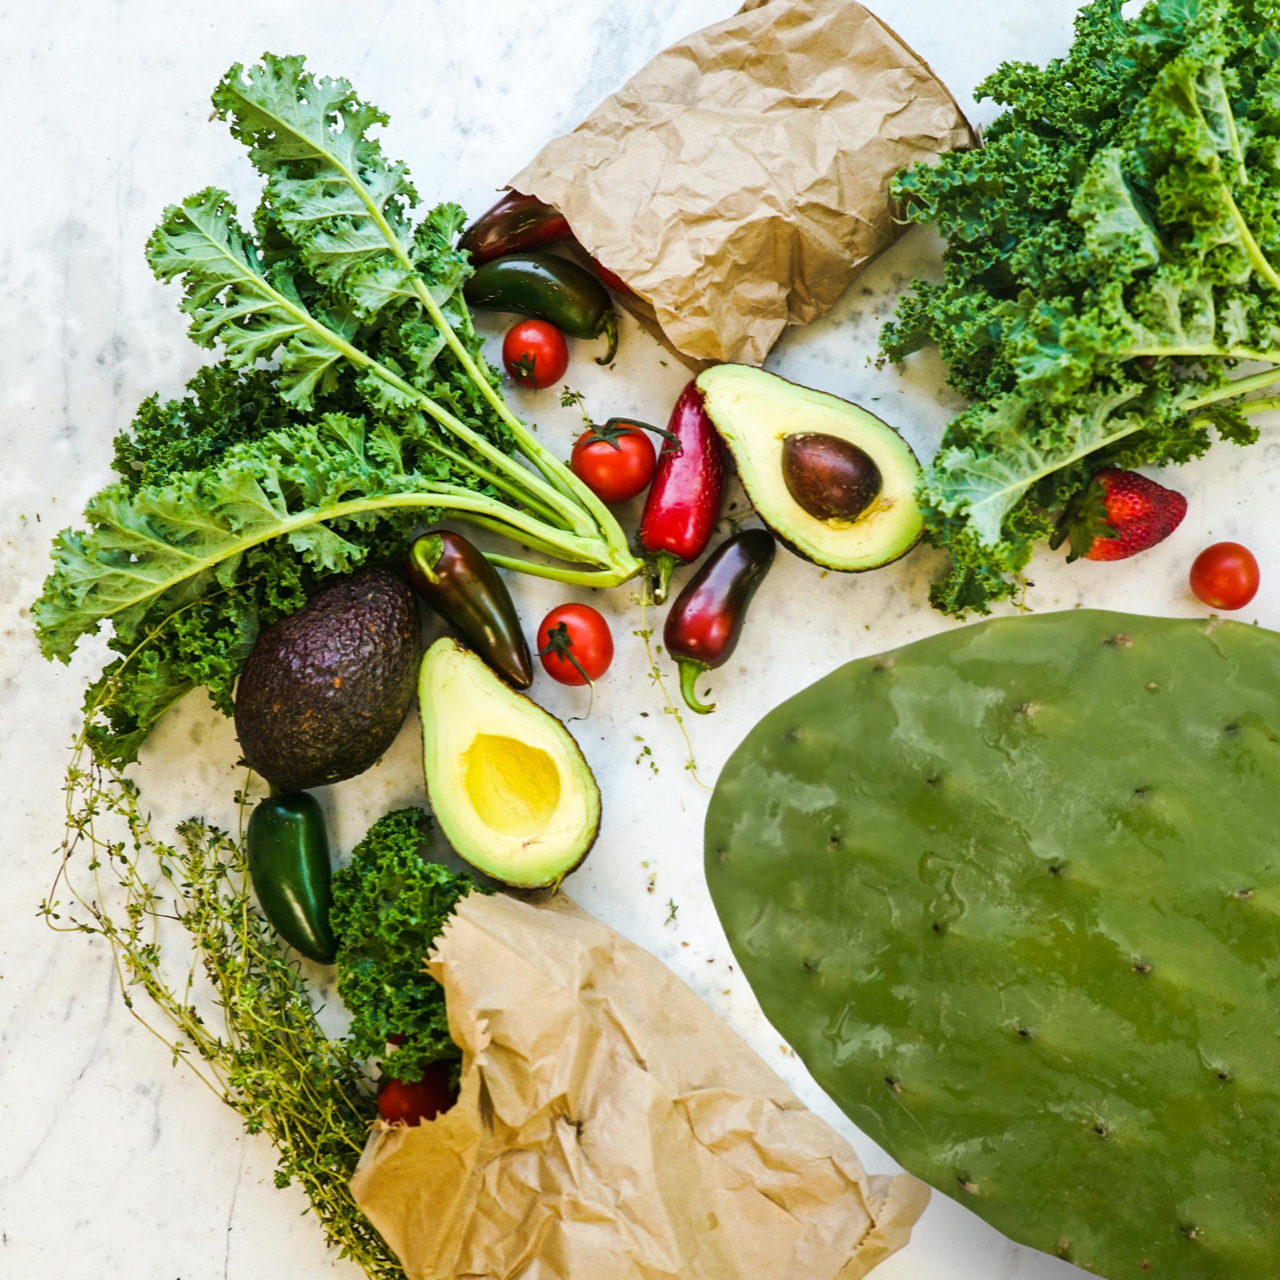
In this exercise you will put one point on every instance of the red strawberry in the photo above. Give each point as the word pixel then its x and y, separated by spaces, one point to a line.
pixel 1117 514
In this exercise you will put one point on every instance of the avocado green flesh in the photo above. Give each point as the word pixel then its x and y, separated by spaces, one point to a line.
pixel 509 785
pixel 755 412
pixel 1013 895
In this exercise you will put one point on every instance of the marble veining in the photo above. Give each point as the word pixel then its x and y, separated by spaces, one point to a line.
pixel 113 1165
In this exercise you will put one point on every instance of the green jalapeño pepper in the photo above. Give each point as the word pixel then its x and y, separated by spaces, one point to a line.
pixel 289 867
pixel 467 592
pixel 548 288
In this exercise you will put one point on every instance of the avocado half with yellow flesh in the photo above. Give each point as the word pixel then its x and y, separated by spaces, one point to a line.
pixel 509 785
pixel 756 413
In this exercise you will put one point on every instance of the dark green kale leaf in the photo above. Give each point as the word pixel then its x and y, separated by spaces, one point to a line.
pixel 1110 264
pixel 222 407
pixel 389 907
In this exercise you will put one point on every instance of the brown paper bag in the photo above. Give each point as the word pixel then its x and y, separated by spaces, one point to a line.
pixel 611 1127
pixel 740 181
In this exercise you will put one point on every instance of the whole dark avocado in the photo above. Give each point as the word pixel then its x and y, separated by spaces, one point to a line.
pixel 325 690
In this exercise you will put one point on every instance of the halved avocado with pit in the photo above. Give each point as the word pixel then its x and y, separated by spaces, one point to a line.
pixel 509 785
pixel 757 412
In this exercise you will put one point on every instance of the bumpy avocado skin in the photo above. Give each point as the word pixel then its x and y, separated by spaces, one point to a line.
pixel 1012 894
pixel 324 691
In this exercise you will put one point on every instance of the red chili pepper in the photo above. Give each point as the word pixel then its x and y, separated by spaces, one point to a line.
pixel 706 620
pixel 615 282
pixel 688 487
pixel 515 224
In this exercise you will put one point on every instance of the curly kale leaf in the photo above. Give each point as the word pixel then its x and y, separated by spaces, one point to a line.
pixel 223 407
pixel 389 907
pixel 154 551
pixel 1110 263
pixel 228 517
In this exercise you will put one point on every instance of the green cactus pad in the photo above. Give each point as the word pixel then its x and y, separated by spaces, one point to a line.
pixel 1013 894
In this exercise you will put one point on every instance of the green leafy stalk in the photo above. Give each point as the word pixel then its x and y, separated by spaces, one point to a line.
pixel 345 206
pixel 1110 262
pixel 166 545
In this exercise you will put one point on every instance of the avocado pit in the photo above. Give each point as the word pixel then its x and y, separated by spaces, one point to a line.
pixel 834 483
pixel 830 478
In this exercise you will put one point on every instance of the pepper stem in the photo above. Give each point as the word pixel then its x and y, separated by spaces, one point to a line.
pixel 664 563
pixel 425 554
pixel 689 673
pixel 609 328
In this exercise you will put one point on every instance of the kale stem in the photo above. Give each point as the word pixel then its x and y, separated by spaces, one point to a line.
pixel 440 497
pixel 1190 353
pixel 524 539
pixel 1259 259
pixel 551 467
pixel 576 577
pixel 1260 406
pixel 1240 387
pixel 525 479
pixel 557 486
pixel 535 505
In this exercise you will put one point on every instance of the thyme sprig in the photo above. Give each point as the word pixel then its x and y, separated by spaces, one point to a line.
pixel 264 1053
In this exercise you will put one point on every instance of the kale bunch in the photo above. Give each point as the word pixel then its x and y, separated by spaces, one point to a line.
pixel 187 446
pixel 1110 266
pixel 389 907
pixel 351 404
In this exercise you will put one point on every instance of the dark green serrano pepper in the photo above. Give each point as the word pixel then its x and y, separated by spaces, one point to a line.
pixel 548 288
pixel 451 575
pixel 289 867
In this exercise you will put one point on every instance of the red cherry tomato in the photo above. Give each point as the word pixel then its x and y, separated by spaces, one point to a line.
pixel 535 354
pixel 615 461
pixel 1225 576
pixel 420 1100
pixel 574 644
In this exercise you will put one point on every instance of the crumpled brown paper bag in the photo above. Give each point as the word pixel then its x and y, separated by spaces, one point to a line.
pixel 740 181
pixel 611 1127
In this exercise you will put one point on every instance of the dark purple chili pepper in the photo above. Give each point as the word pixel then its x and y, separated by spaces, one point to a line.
pixel 451 575
pixel 514 224
pixel 706 619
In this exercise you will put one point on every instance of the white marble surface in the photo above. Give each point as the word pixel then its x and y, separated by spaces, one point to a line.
pixel 112 1163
